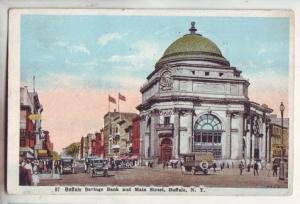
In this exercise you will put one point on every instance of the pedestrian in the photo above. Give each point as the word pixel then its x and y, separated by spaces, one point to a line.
pixel 35 179
pixel 164 164
pixel 214 166
pixel 275 167
pixel 222 166
pixel 269 168
pixel 227 165
pixel 256 168
pixel 22 174
pixel 241 167
pixel 248 167
pixel 28 167
pixel 41 167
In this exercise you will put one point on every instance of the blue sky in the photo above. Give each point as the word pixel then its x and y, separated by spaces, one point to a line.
pixel 95 48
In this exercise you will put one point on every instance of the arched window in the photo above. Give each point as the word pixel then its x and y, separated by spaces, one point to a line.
pixel 208 122
pixel 208 135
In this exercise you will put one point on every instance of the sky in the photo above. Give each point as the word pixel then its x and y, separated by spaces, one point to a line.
pixel 78 60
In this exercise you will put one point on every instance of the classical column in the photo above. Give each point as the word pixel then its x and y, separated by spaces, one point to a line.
pixel 176 133
pixel 153 134
pixel 263 140
pixel 252 140
pixel 228 135
pixel 240 135
pixel 190 130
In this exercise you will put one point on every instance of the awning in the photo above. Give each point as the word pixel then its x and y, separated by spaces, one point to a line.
pixel 115 147
pixel 27 155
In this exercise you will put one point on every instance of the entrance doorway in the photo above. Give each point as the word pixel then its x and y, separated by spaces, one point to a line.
pixel 166 150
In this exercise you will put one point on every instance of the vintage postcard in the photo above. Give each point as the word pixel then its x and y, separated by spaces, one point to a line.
pixel 159 102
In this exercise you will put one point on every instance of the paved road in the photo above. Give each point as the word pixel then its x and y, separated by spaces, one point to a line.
pixel 165 177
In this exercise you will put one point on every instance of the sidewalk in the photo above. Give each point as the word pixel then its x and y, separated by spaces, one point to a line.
pixel 49 176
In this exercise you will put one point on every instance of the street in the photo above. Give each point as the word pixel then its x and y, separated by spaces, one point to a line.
pixel 145 176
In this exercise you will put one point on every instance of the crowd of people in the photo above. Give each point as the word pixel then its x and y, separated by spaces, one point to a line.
pixel 30 169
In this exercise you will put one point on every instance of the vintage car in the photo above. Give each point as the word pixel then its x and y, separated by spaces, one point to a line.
pixel 196 162
pixel 88 162
pixel 79 166
pixel 67 165
pixel 98 167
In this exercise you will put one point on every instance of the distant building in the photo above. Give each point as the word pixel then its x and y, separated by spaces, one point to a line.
pixel 98 145
pixel 116 135
pixel 276 132
pixel 92 145
pixel 46 148
pixel 135 139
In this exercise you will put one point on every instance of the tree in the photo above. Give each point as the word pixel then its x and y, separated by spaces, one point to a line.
pixel 55 156
pixel 72 149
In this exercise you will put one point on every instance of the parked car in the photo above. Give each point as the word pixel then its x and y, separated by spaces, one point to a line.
pixel 79 166
pixel 196 162
pixel 98 167
pixel 88 162
pixel 67 165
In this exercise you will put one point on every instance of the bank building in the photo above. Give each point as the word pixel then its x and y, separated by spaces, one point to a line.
pixel 195 101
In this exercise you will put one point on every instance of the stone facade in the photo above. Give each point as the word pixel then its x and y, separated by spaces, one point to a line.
pixel 193 102
pixel 116 135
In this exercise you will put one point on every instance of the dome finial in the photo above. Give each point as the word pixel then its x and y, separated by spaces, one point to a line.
pixel 193 29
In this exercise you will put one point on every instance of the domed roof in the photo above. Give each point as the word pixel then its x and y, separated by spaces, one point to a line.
pixel 193 46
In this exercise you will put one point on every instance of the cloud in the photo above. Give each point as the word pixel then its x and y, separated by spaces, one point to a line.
pixel 261 50
pixel 78 48
pixel 145 53
pixel 89 65
pixel 108 37
pixel 87 81
pixel 270 61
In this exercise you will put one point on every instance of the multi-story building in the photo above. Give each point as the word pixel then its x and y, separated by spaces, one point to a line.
pixel 34 142
pixel 276 132
pixel 195 101
pixel 97 145
pixel 135 139
pixel 116 135
pixel 27 136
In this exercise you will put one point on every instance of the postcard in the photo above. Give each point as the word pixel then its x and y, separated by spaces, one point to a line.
pixel 150 102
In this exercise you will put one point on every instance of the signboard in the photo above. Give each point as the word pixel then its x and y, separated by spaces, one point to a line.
pixel 34 117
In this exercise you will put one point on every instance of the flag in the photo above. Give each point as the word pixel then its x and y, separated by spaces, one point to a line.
pixel 111 99
pixel 121 97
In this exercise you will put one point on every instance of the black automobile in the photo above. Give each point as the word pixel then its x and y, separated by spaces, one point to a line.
pixel 197 162
pixel 67 165
pixel 98 167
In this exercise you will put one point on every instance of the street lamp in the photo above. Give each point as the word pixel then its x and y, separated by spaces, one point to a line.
pixel 281 170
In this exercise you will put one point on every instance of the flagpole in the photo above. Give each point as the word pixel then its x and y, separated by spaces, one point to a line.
pixel 118 102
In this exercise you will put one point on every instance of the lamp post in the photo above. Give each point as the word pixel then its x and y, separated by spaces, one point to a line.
pixel 281 170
